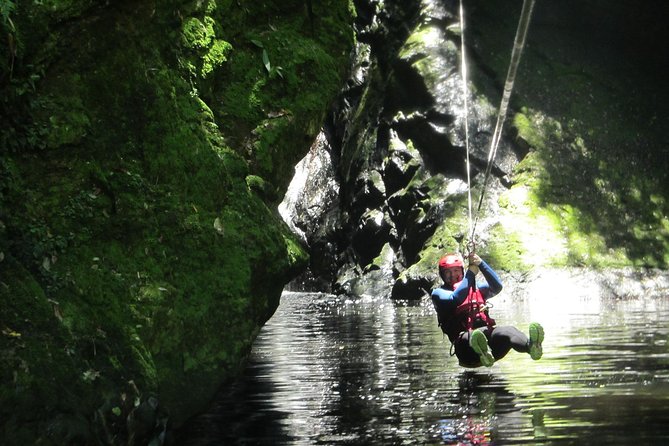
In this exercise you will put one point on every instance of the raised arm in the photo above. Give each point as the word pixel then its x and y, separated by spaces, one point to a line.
pixel 461 292
pixel 494 283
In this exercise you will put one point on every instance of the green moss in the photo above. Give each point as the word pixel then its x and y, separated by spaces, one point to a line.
pixel 197 34
pixel 601 216
pixel 136 249
pixel 215 57
pixel 527 131
pixel 449 235
pixel 296 255
pixel 241 97
pixel 285 102
pixel 419 49
pixel 506 251
pixel 381 260
pixel 207 52
pixel 418 41
pixel 592 146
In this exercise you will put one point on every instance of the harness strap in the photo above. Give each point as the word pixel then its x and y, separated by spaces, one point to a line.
pixel 473 310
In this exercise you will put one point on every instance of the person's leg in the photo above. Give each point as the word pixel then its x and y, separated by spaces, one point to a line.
pixel 478 341
pixel 467 357
pixel 536 338
pixel 504 338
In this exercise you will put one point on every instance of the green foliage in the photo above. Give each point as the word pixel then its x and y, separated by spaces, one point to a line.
pixel 134 239
pixel 9 35
pixel 6 9
pixel 277 80
pixel 215 57
pixel 257 184
pixel 197 34
pixel 606 217
pixel 272 71
pixel 506 251
pixel 206 52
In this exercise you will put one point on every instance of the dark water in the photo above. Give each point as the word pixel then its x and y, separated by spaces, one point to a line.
pixel 327 371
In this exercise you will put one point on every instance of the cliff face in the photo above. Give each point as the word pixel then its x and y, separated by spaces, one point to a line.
pixel 580 178
pixel 143 146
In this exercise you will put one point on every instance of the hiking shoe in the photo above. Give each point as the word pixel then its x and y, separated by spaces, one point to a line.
pixel 479 344
pixel 536 338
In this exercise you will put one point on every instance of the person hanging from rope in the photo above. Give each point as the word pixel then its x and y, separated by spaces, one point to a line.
pixel 462 311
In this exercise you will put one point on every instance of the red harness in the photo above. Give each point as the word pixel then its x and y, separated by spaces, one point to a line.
pixel 473 312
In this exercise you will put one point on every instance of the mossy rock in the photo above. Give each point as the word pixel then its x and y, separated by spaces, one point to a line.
pixel 140 252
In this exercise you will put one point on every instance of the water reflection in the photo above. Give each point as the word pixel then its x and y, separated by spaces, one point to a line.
pixel 372 371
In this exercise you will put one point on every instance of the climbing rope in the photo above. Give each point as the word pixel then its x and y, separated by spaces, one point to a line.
pixel 463 69
pixel 518 45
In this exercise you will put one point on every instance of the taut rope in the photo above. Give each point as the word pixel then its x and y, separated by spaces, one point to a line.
pixel 518 45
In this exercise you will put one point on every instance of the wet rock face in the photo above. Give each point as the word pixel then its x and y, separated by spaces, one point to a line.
pixel 312 191
pixel 397 128
pixel 398 142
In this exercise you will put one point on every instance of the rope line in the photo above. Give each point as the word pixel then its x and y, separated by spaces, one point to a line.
pixel 518 45
pixel 466 119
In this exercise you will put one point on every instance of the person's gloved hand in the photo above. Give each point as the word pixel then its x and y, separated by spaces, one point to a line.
pixel 474 262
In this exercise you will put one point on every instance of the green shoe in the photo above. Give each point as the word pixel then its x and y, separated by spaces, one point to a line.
pixel 536 338
pixel 479 344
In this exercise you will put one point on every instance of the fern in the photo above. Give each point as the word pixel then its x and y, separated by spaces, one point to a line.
pixel 6 9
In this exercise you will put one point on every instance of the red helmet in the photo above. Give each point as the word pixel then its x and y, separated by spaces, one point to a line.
pixel 451 261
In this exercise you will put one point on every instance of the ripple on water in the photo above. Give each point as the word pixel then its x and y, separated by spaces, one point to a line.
pixel 333 371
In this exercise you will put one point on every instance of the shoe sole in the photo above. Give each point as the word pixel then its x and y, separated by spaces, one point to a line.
pixel 479 344
pixel 536 338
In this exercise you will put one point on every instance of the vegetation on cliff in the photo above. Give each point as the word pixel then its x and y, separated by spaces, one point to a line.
pixel 591 183
pixel 581 174
pixel 590 115
pixel 143 147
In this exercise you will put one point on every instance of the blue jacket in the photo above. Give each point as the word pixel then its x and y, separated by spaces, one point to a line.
pixel 446 300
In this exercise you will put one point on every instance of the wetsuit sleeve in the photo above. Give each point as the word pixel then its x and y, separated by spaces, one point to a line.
pixel 493 283
pixel 441 294
pixel 442 300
